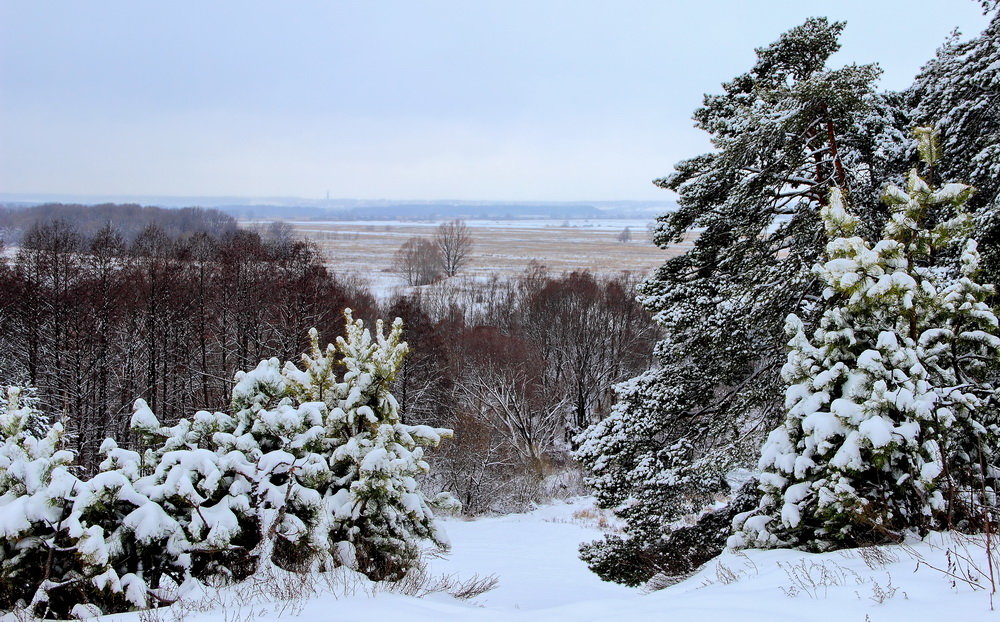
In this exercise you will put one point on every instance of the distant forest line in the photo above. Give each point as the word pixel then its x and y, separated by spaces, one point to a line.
pixel 401 210
pixel 128 220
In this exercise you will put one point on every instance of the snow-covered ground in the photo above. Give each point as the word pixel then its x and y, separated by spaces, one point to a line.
pixel 534 557
pixel 367 249
pixel 608 224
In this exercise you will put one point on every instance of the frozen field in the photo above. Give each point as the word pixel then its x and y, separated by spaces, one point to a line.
pixel 366 248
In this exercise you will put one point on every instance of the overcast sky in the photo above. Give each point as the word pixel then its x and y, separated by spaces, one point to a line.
pixel 505 100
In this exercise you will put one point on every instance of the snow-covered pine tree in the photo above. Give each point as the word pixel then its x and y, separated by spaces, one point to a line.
pixel 72 546
pixel 24 399
pixel 52 559
pixel 785 133
pixel 959 92
pixel 36 491
pixel 200 519
pixel 892 424
pixel 309 470
pixel 381 514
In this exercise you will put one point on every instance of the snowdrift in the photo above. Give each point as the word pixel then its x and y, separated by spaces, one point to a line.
pixel 540 578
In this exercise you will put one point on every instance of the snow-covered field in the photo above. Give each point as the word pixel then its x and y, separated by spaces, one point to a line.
pixel 365 249
pixel 638 225
pixel 540 578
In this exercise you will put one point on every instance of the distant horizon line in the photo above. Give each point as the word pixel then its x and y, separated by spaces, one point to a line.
pixel 182 200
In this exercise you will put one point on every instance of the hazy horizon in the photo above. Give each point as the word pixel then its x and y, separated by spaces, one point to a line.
pixel 443 101
pixel 279 201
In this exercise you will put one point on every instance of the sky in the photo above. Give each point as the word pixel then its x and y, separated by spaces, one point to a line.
pixel 486 100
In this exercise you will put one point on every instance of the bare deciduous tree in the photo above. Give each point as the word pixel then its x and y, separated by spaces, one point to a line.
pixel 514 403
pixel 482 468
pixel 417 261
pixel 93 321
pixel 625 236
pixel 454 243
pixel 504 383
pixel 279 232
pixel 587 331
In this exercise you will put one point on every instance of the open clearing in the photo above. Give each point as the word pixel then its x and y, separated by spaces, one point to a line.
pixel 540 578
pixel 502 247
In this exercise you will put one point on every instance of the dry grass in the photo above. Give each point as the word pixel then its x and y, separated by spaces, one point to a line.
pixel 592 517
pixel 366 250
pixel 272 593
pixel 595 517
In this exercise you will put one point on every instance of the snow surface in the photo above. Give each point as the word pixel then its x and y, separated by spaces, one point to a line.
pixel 638 225
pixel 534 556
pixel 541 579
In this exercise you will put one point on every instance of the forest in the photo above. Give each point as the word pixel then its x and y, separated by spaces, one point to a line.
pixel 190 400
pixel 518 366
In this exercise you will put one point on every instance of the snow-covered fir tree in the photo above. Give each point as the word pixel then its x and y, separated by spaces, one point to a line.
pixel 785 133
pixel 891 419
pixel 74 546
pixel 959 92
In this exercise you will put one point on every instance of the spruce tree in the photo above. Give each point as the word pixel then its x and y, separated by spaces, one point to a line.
pixel 785 133
pixel 891 421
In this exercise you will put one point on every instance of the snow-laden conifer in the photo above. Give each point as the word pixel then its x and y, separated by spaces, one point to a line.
pixel 56 546
pixel 312 469
pixel 959 92
pixel 381 515
pixel 891 422
pixel 784 133
pixel 37 489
